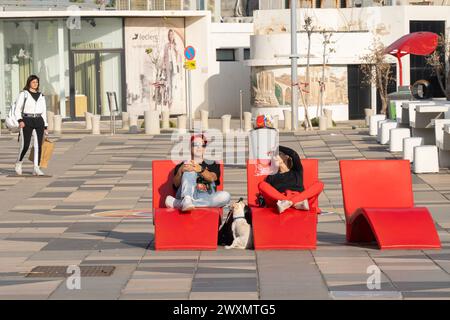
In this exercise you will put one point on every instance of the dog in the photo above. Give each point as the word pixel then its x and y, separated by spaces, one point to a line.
pixel 242 231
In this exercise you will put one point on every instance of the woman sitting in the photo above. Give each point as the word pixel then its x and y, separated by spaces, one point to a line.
pixel 284 188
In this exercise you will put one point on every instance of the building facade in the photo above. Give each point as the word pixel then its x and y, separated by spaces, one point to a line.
pixel 83 52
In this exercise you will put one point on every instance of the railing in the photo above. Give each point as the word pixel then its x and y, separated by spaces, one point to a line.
pixel 49 4
pixel 155 5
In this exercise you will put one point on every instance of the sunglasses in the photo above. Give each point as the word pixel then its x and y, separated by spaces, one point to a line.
pixel 198 145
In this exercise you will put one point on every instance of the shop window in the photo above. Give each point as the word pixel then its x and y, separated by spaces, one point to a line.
pixel 246 53
pixel 226 55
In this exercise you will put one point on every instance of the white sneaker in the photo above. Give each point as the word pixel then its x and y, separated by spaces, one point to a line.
pixel 283 205
pixel 302 205
pixel 19 168
pixel 170 202
pixel 37 172
pixel 186 204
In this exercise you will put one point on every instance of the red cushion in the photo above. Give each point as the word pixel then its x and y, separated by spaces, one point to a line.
pixel 195 230
pixel 293 229
pixel 376 184
pixel 174 230
pixel 310 175
pixel 394 228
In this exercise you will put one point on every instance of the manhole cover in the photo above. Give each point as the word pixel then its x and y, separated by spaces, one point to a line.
pixel 64 271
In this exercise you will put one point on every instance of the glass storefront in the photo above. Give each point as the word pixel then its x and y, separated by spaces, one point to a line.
pixel 96 65
pixel 76 67
pixel 32 47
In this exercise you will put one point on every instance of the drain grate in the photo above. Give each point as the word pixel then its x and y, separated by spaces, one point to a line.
pixel 63 271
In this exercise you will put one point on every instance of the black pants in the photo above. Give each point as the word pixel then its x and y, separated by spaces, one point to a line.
pixel 38 126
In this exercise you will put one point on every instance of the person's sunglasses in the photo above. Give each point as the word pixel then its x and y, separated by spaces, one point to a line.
pixel 198 145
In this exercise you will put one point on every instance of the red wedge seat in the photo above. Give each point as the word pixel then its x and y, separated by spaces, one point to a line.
pixel 176 230
pixel 379 206
pixel 293 229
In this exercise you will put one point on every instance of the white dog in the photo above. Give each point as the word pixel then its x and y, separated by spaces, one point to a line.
pixel 242 231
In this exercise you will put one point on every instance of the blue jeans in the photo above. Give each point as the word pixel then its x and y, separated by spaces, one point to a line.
pixel 212 199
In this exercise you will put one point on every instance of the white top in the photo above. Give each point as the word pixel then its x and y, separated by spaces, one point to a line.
pixel 31 106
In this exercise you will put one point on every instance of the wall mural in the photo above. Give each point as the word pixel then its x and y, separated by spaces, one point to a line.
pixel 271 87
pixel 154 56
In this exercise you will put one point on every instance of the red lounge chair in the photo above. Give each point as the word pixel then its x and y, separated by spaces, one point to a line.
pixel 174 230
pixel 293 229
pixel 379 206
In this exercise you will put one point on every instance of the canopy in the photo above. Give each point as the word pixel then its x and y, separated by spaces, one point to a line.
pixel 419 43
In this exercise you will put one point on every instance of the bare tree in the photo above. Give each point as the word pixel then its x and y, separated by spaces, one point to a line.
pixel 439 60
pixel 325 54
pixel 377 71
pixel 309 28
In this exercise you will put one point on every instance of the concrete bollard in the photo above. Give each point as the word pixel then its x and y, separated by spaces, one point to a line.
pixel 165 117
pixel 226 123
pixel 287 120
pixel 88 119
pixel 50 120
pixel 247 121
pixel 125 121
pixel 181 123
pixel 328 113
pixel 368 112
pixel 204 119
pixel 134 128
pixel 95 124
pixel 151 120
pixel 275 122
pixel 57 123
pixel 323 123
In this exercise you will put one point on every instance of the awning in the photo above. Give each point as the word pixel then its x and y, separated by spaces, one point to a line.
pixel 419 43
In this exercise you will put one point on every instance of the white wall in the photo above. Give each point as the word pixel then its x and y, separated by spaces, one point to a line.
pixel 387 23
pixel 197 31
pixel 226 78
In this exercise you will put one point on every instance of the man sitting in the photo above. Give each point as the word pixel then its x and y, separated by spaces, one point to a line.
pixel 196 181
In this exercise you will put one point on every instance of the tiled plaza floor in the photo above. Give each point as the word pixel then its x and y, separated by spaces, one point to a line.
pixel 51 221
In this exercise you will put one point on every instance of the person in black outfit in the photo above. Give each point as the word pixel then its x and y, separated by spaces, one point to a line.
pixel 284 188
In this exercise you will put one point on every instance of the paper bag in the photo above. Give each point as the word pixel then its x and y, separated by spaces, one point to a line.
pixel 46 154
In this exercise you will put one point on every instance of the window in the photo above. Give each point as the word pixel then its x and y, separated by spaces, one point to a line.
pixel 225 55
pixel 246 53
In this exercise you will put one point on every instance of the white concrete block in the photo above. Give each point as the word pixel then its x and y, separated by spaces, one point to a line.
pixel 408 147
pixel 373 123
pixel 396 138
pixel 426 159
pixel 386 130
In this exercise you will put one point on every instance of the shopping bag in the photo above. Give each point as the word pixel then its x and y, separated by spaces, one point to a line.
pixel 46 154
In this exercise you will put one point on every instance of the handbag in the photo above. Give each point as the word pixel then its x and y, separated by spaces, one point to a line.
pixel 46 153
pixel 10 120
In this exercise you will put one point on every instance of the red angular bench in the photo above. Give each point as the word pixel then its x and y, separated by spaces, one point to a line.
pixel 293 229
pixel 379 206
pixel 176 230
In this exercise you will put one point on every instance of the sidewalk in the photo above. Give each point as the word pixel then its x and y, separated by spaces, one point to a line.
pixel 77 217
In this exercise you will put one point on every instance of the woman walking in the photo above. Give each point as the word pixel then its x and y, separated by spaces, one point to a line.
pixel 31 113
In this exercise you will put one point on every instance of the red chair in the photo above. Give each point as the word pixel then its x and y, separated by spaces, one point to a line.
pixel 293 229
pixel 175 230
pixel 379 206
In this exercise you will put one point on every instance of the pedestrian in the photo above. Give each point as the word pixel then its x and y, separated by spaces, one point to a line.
pixel 196 181
pixel 31 113
pixel 284 188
